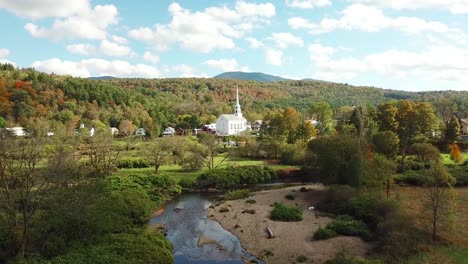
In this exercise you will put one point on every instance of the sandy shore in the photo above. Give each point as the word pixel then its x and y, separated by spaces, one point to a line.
pixel 292 239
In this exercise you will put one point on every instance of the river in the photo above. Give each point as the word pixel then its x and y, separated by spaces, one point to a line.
pixel 185 227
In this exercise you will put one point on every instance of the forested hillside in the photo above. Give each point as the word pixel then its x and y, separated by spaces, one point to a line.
pixel 30 98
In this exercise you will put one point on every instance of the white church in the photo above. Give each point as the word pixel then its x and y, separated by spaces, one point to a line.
pixel 227 125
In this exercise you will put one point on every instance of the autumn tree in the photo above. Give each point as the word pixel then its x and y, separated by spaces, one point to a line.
pixel 439 194
pixel 387 117
pixel 126 129
pixel 305 131
pixel 323 114
pixel 290 122
pixel 455 153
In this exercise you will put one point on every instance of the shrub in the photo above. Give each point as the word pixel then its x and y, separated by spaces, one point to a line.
pixel 237 194
pixel 461 174
pixel 347 226
pixel 186 183
pixel 324 233
pixel 301 259
pixel 232 177
pixel 416 178
pixel 223 210
pixel 251 201
pixel 286 213
pixel 289 197
pixel 248 211
pixel 133 163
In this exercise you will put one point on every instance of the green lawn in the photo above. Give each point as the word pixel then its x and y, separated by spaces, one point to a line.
pixel 442 254
pixel 176 172
pixel 447 161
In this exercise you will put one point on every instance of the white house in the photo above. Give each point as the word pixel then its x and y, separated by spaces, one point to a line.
pixel 169 131
pixel 140 132
pixel 114 131
pixel 17 131
pixel 464 126
pixel 234 124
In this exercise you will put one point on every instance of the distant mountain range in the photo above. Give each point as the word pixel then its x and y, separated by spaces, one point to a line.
pixel 251 76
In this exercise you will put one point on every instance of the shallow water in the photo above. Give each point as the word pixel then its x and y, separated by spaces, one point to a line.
pixel 185 227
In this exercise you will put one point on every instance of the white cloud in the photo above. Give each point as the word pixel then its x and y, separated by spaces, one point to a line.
pixel 273 57
pixel 368 19
pixel 44 8
pixel 120 40
pixel 87 24
pixel 435 62
pixel 4 53
pixel 214 28
pixel 453 6
pixel 113 49
pixel 308 4
pixel 184 71
pixel 284 40
pixel 96 67
pixel 83 49
pixel 254 43
pixel 148 56
pixel 225 65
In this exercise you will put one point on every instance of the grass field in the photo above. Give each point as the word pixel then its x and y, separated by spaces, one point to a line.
pixel 447 161
pixel 176 172
pixel 455 237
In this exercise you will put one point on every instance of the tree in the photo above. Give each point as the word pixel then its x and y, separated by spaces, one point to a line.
pixel 439 194
pixel 210 150
pixel 305 131
pixel 387 117
pixel 22 185
pixel 379 172
pixel 161 151
pixel 2 122
pixel 290 122
pixel 102 154
pixel 323 114
pixel 386 143
pixel 452 130
pixel 426 152
pixel 455 153
pixel 126 128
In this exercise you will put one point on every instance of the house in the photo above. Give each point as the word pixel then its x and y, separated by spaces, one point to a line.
pixel 17 131
pixel 209 128
pixel 464 126
pixel 180 131
pixel 231 124
pixel 169 131
pixel 140 132
pixel 256 125
pixel 114 131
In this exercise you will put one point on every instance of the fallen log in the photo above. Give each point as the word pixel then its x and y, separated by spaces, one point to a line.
pixel 270 233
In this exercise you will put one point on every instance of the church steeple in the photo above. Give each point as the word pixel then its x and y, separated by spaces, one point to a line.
pixel 237 111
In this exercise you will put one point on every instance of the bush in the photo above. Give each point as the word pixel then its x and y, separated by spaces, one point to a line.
pixel 133 163
pixel 461 174
pixel 286 213
pixel 301 259
pixel 186 183
pixel 237 194
pixel 347 226
pixel 248 211
pixel 289 197
pixel 251 201
pixel 233 177
pixel 324 233
pixel 415 178
pixel 293 154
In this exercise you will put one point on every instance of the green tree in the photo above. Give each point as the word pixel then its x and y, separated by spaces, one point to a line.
pixel 210 150
pixel 161 152
pixel 387 117
pixel 323 114
pixel 439 195
pixel 386 143
pixel 379 172
pixel 2 122
pixel 426 152
pixel 452 130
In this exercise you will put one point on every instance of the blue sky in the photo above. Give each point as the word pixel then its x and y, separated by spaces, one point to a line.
pixel 412 45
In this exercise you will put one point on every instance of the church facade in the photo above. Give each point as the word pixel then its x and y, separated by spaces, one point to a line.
pixel 231 124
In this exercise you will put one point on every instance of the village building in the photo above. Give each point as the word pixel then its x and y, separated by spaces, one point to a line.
pixel 231 124
pixel 169 131
pixel 464 127
pixel 256 125
pixel 17 131
pixel 140 132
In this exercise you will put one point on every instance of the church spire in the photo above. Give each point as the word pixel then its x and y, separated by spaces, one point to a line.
pixel 238 111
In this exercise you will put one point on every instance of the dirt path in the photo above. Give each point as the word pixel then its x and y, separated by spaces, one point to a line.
pixel 292 239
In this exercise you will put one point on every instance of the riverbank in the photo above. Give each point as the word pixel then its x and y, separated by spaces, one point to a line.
pixel 292 239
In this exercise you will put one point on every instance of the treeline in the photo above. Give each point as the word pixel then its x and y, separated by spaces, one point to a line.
pixel 29 98
pixel 56 208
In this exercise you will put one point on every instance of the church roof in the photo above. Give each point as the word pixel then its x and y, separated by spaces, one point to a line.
pixel 233 117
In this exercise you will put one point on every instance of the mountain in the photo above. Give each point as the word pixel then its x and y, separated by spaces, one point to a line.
pixel 250 76
pixel 103 78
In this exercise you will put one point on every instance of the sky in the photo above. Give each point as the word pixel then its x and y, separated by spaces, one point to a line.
pixel 414 45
